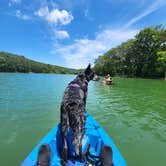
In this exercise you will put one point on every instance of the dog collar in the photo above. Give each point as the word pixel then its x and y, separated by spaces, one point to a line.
pixel 75 85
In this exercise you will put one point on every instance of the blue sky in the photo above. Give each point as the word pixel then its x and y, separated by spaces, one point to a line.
pixel 72 33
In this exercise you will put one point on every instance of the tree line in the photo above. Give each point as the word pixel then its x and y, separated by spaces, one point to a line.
pixel 142 56
pixel 14 63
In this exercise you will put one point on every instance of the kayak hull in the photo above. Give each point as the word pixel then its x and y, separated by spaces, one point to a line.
pixel 94 135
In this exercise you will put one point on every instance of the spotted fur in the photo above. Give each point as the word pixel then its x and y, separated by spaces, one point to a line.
pixel 73 112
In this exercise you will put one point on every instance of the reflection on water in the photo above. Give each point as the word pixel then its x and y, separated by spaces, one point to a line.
pixel 132 112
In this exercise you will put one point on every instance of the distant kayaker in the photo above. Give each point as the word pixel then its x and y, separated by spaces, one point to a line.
pixel 108 77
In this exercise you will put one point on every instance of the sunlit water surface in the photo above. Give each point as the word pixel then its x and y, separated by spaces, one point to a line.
pixel 132 112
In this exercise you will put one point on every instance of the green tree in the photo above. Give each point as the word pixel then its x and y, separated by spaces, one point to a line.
pixel 14 63
pixel 140 56
pixel 146 45
pixel 161 64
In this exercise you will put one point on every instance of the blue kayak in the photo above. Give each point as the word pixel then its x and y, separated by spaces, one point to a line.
pixel 94 136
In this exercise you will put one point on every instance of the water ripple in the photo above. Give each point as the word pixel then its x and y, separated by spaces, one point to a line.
pixel 132 112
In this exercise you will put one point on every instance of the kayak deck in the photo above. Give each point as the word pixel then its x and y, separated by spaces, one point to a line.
pixel 94 135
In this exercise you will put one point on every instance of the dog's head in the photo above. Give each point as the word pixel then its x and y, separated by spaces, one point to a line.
pixel 89 74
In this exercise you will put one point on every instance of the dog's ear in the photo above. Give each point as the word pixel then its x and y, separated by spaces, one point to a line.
pixel 88 69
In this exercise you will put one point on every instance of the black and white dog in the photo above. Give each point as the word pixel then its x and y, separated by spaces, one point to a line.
pixel 73 113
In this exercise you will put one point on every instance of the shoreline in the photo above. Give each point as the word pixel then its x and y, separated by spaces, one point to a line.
pixel 117 76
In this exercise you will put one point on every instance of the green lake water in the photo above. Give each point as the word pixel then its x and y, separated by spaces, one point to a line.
pixel 132 112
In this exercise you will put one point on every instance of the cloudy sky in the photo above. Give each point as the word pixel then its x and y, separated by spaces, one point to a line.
pixel 72 33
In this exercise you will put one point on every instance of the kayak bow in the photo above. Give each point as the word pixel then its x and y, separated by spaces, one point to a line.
pixel 94 136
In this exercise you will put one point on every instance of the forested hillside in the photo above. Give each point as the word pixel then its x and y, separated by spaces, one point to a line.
pixel 14 63
pixel 142 56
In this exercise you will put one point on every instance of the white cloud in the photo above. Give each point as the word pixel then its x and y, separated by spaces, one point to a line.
pixel 61 34
pixel 84 51
pixel 153 7
pixel 22 16
pixel 42 12
pixel 55 16
pixel 62 17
